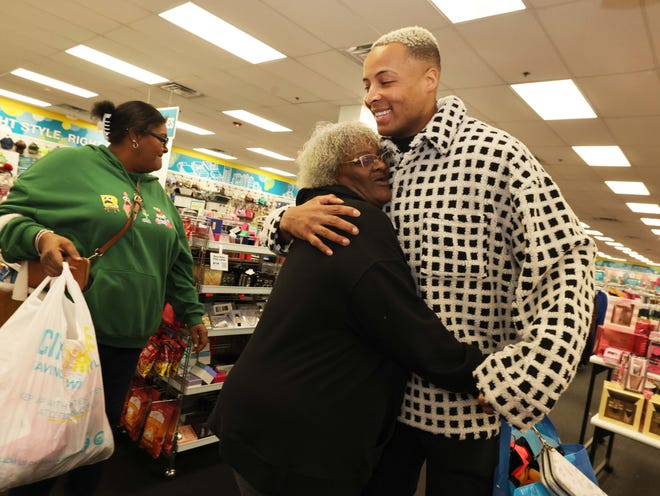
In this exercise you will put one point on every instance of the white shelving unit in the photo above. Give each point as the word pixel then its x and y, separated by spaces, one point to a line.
pixel 197 443
pixel 237 248
pixel 625 432
pixel 177 384
pixel 234 290
pixel 230 331
pixel 604 429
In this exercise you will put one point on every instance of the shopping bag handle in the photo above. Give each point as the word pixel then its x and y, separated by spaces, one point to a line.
pixel 501 477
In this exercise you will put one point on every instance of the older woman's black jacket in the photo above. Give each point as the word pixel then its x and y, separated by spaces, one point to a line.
pixel 315 394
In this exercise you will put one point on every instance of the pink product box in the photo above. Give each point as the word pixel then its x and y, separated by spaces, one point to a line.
pixel 654 358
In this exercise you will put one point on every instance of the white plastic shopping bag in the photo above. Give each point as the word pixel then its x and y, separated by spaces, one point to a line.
pixel 53 415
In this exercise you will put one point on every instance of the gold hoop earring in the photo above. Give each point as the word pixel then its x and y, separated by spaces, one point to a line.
pixel 135 145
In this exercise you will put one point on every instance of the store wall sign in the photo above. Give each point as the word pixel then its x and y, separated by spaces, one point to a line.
pixel 612 264
pixel 32 125
pixel 204 169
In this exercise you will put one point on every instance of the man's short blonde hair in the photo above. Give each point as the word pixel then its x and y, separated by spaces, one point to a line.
pixel 420 42
pixel 329 144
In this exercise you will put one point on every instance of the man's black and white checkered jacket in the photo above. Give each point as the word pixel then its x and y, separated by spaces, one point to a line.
pixel 501 258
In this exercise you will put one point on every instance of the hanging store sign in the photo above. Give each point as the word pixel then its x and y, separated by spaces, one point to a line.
pixel 206 169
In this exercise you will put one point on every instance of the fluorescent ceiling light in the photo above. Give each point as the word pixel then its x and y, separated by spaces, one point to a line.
pixel 628 188
pixel 109 62
pixel 183 126
pixel 466 10
pixel 213 153
pixel 593 232
pixel 644 208
pixel 255 120
pixel 278 171
pixel 555 100
pixel 656 232
pixel 586 226
pixel 22 98
pixel 614 243
pixel 602 156
pixel 651 222
pixel 270 154
pixel 220 33
pixel 53 83
pixel 604 238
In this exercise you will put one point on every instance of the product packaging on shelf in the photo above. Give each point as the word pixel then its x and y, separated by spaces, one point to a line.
pixel 652 417
pixel 621 407
pixel 653 353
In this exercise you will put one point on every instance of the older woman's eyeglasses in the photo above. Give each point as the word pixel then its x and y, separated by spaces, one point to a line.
pixel 163 139
pixel 367 160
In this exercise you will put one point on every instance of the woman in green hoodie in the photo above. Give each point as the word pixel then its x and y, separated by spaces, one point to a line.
pixel 73 201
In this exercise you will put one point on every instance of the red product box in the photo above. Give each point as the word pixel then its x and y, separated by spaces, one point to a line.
pixel 614 336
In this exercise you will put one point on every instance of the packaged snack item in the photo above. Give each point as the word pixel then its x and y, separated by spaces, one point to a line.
pixel 186 434
pixel 148 356
pixel 137 382
pixel 136 410
pixel 159 427
pixel 164 357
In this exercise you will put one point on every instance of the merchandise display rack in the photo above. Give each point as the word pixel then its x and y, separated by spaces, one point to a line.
pixel 602 427
pixel 201 248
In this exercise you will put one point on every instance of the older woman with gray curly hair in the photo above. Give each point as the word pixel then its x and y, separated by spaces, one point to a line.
pixel 314 396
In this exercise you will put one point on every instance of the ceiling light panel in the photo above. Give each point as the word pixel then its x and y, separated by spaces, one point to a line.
pixel 220 33
pixel 213 153
pixel 108 62
pixel 184 126
pixel 628 188
pixel 467 10
pixel 22 98
pixel 555 100
pixel 278 171
pixel 53 83
pixel 651 221
pixel 602 156
pixel 255 120
pixel 644 208
pixel 268 153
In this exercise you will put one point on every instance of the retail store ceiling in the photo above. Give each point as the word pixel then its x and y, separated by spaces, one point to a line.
pixel 610 48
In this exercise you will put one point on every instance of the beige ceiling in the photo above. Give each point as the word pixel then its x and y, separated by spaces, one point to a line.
pixel 610 48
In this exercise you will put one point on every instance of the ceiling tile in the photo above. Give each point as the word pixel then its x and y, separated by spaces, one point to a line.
pixel 590 35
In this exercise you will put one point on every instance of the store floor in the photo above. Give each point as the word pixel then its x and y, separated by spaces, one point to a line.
pixel 132 471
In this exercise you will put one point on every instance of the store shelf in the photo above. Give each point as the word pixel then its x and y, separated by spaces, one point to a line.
pixel 238 248
pixel 197 443
pixel 235 290
pixel 191 390
pixel 629 433
pixel 599 361
pixel 230 331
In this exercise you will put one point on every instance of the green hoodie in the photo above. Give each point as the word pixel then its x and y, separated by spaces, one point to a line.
pixel 86 195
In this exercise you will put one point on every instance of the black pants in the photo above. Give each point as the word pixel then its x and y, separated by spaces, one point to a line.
pixel 118 367
pixel 452 466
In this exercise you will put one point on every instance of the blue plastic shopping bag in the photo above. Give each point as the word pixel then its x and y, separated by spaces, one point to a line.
pixel 575 453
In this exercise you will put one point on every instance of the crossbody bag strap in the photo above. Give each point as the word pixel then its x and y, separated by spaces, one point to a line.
pixel 137 205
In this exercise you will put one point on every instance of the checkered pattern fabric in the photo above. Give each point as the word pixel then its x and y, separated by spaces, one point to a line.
pixel 501 258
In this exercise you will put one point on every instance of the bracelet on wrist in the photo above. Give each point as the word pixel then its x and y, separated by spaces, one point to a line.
pixel 38 237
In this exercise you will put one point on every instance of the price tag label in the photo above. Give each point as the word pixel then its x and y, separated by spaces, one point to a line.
pixel 219 261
